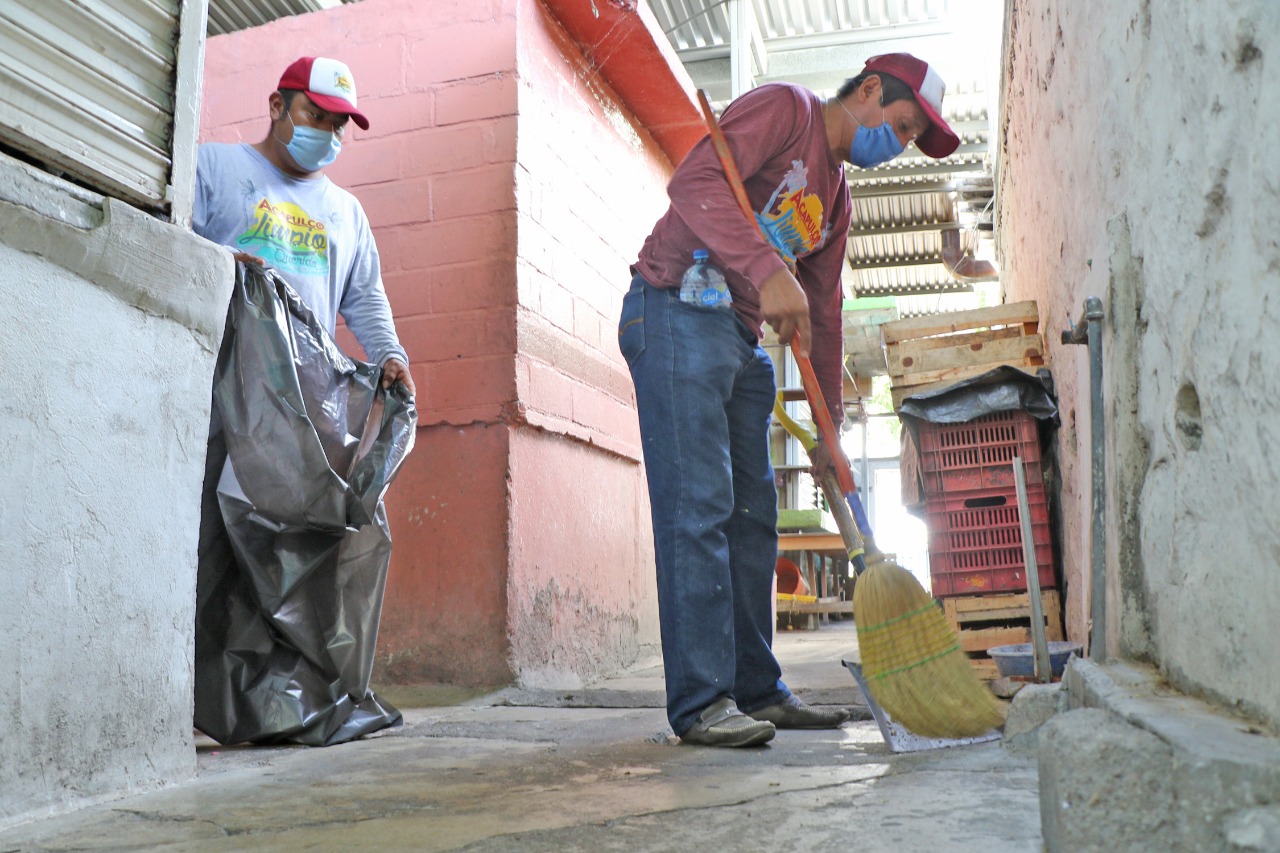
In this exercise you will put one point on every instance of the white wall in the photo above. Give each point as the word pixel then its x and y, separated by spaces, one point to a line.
pixel 112 324
pixel 1138 167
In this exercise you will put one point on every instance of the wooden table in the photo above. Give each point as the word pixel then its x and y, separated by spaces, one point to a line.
pixel 815 550
pixel 829 544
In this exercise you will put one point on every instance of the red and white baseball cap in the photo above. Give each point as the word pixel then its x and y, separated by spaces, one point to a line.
pixel 328 83
pixel 939 140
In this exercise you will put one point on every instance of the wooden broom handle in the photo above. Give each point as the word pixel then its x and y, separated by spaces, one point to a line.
pixel 826 426
pixel 721 146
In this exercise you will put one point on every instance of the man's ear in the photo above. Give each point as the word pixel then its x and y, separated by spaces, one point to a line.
pixel 870 89
pixel 275 105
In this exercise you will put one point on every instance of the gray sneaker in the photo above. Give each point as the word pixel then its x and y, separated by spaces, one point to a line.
pixel 722 724
pixel 791 713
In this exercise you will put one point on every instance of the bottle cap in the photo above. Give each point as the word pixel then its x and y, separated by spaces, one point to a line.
pixel 701 254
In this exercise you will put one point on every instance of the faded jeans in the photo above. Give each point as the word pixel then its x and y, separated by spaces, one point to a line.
pixel 704 393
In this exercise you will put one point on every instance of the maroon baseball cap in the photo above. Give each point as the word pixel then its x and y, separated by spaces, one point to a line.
pixel 328 83
pixel 939 140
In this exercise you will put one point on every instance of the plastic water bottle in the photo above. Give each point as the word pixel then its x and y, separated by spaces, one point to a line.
pixel 703 284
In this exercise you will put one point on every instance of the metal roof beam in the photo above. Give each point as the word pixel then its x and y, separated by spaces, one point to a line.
pixel 742 24
pixel 933 289
pixel 909 228
pixel 886 263
pixel 928 167
pixel 967 127
pixel 890 189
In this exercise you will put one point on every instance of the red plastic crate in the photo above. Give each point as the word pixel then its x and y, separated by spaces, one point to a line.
pixel 975 542
pixel 978 454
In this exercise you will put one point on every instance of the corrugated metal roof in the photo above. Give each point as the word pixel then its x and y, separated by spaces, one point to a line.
pixel 228 16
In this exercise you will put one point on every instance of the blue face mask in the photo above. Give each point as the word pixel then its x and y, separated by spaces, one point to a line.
pixel 313 149
pixel 873 145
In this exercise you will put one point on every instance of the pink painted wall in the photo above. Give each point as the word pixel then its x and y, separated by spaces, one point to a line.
pixel 508 192
pixel 590 183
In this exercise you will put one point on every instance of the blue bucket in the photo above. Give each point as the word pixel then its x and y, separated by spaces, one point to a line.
pixel 1019 659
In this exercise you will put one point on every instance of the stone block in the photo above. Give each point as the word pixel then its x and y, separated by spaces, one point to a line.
pixel 1032 707
pixel 1141 767
pixel 1105 785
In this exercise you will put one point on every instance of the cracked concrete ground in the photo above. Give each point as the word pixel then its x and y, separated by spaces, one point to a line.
pixel 524 770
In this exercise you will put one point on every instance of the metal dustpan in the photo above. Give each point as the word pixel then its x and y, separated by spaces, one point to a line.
pixel 898 738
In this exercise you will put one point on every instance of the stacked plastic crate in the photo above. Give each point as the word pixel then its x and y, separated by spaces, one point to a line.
pixel 977 566
pixel 975 528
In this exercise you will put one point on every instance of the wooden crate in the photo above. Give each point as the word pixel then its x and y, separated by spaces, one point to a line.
pixel 932 352
pixel 986 621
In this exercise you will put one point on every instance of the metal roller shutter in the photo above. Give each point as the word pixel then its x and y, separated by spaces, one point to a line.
pixel 87 87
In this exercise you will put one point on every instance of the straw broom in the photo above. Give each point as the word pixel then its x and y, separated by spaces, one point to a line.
pixel 911 657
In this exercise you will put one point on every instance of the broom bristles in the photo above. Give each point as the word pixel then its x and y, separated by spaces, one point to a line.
pixel 913 661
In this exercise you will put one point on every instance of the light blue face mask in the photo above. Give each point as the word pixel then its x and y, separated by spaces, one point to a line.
pixel 313 149
pixel 873 145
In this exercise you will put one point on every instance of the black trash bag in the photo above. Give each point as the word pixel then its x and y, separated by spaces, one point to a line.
pixel 294 543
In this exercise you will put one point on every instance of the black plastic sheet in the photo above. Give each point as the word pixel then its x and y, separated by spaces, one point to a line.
pixel 1001 389
pixel 294 542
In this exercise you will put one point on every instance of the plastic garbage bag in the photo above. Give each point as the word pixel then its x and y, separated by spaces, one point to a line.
pixel 294 543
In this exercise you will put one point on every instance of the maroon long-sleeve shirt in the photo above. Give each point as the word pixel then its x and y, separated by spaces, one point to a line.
pixel 798 192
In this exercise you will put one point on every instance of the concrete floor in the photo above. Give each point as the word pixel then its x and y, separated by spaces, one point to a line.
pixel 596 769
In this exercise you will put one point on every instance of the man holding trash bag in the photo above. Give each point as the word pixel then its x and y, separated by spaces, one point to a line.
pixel 294 545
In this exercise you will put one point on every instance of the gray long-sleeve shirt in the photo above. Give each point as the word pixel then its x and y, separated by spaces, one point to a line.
pixel 313 232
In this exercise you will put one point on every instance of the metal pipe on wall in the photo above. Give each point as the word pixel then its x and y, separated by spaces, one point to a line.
pixel 1089 331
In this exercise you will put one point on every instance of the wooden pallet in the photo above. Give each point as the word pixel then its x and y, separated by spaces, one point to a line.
pixel 934 351
pixel 986 621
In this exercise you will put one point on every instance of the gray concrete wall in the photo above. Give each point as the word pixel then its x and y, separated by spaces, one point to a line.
pixel 1137 166
pixel 113 319
pixel 1135 766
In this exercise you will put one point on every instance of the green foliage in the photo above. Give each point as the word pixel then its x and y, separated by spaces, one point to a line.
pixel 881 400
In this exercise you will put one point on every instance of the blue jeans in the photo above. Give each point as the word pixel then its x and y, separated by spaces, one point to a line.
pixel 704 393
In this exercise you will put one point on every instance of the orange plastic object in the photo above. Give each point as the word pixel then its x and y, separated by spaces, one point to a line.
pixel 790 581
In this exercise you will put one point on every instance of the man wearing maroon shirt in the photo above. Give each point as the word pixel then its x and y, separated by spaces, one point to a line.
pixel 705 387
